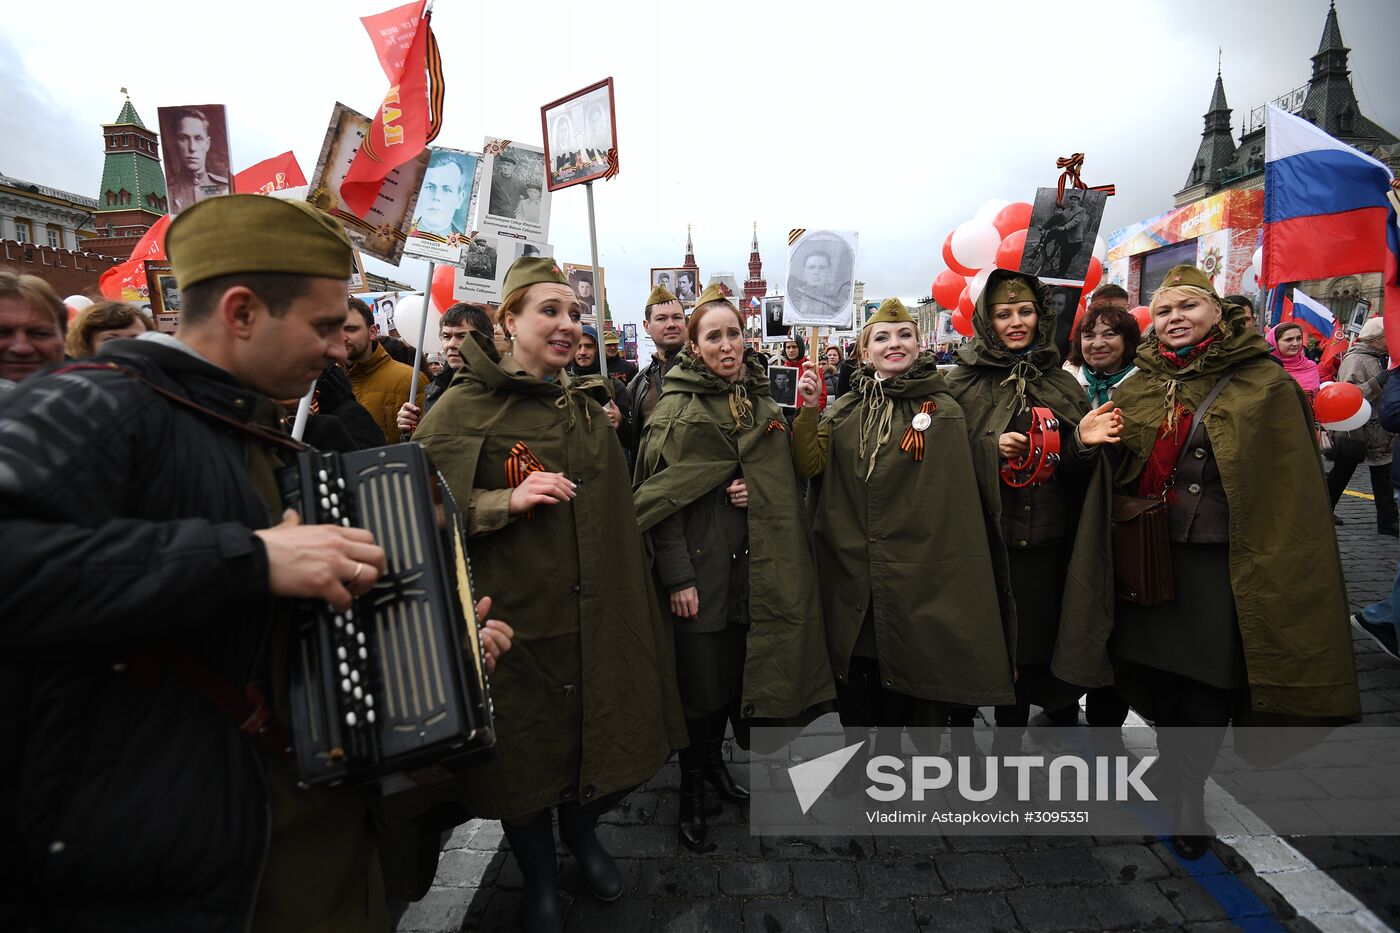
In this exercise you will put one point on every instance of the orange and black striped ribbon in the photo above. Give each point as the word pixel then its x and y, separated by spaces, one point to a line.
pixel 520 464
pixel 1070 167
pixel 612 165
pixel 913 441
pixel 795 235
pixel 437 85
pixel 775 425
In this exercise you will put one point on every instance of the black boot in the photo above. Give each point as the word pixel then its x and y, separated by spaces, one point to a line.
pixel 599 871
pixel 1198 749
pixel 691 827
pixel 533 846
pixel 716 772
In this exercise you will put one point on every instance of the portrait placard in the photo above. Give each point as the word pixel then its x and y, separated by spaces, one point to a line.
pixel 782 385
pixel 357 281
pixel 194 148
pixel 163 296
pixel 1060 241
pixel 446 205
pixel 580 133
pixel 514 197
pixel 821 278
pixel 384 231
pixel 773 328
pixel 677 280
pixel 581 281
pixel 485 262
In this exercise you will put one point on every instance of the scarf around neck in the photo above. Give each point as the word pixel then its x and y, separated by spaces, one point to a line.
pixel 1101 387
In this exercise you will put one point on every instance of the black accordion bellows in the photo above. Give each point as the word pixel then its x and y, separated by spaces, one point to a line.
pixel 384 689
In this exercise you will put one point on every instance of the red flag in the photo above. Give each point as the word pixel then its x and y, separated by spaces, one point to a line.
pixel 117 282
pixel 407 119
pixel 270 175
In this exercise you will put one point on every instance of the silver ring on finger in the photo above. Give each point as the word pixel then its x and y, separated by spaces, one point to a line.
pixel 359 569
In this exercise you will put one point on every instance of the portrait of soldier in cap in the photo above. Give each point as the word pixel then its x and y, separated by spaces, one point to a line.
pixel 196 154
pixel 821 271
pixel 685 286
pixel 506 188
pixel 479 259
pixel 1059 242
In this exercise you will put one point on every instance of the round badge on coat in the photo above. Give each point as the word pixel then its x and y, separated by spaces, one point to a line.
pixel 922 421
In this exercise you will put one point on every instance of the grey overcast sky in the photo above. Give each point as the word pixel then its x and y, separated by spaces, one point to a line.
pixel 895 119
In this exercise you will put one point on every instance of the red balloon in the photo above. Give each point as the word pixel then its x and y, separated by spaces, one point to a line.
pixel 442 287
pixel 962 323
pixel 1014 216
pixel 952 263
pixel 947 286
pixel 1337 402
pixel 1143 315
pixel 1010 250
pixel 1094 275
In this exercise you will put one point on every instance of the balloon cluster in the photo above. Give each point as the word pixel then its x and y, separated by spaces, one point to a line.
pixel 1340 406
pixel 994 238
pixel 76 305
pixel 409 311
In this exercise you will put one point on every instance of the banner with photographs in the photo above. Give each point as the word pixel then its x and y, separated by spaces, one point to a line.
pixel 782 385
pixel 446 206
pixel 194 147
pixel 382 305
pixel 821 278
pixel 774 330
pixel 581 281
pixel 514 198
pixel 1060 241
pixel 392 213
pixel 163 295
pixel 580 136
pixel 485 260
pixel 357 281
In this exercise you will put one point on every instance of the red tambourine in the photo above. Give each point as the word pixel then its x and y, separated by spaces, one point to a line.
pixel 1038 463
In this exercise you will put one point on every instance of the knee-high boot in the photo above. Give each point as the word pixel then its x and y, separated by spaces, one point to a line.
pixel 533 846
pixel 1197 749
pixel 716 772
pixel 576 831
pixel 692 827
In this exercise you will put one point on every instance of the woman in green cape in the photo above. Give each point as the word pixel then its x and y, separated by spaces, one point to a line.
pixel 1056 532
pixel 1257 631
pixel 588 707
pixel 913 576
pixel 717 495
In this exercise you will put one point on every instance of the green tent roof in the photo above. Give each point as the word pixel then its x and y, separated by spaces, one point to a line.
pixel 128 117
pixel 134 172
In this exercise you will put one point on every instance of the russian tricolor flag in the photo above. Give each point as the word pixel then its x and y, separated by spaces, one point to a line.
pixel 1308 310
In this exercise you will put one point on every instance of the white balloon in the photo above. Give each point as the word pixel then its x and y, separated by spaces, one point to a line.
pixel 1256 263
pixel 990 209
pixel 977 283
pixel 78 302
pixel 975 244
pixel 1249 282
pixel 1363 415
pixel 408 317
pixel 1330 382
pixel 1100 250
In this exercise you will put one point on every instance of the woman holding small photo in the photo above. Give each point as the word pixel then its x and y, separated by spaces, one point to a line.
pixel 1257 630
pixel 912 572
pixel 717 496
pixel 1055 524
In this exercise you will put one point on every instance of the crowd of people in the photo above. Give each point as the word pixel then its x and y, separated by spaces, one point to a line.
pixel 671 558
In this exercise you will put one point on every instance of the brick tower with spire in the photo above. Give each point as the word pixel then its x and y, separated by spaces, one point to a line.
pixel 690 256
pixel 132 194
pixel 755 286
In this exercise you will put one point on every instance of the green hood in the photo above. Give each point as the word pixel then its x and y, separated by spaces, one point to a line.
pixel 986 348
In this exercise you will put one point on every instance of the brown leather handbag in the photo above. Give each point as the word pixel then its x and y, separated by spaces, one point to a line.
pixel 1142 556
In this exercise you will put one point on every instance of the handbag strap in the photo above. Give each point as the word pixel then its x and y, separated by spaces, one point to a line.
pixel 1198 420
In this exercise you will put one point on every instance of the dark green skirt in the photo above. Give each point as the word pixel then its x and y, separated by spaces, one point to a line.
pixel 1195 634
pixel 1038 584
pixel 710 668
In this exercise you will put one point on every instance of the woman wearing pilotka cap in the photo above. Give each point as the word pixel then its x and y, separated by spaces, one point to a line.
pixel 1257 630
pixel 918 616
pixel 591 709
pixel 1056 528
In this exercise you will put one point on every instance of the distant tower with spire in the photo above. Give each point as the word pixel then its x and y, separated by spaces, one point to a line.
pixel 132 194
pixel 690 256
pixel 755 286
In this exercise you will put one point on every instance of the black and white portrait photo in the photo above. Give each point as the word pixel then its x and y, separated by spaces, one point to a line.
pixel 578 135
pixel 443 212
pixel 514 195
pixel 820 278
pixel 773 327
pixel 1060 241
pixel 479 259
pixel 194 147
pixel 169 293
pixel 782 385
pixel 581 281
pixel 686 289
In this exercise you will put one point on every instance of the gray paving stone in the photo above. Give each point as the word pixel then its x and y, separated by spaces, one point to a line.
pixel 440 911
pixel 707 916
pixel 488 837
pixel 627 915
pixel 726 842
pixel 500 912
pixel 826 879
pixel 965 913
pixel 679 878
pixel 463 868
pixel 1057 866
pixel 1049 910
pixel 900 877
pixel 461 835
pixel 1136 905
pixel 1192 901
pixel 755 877
pixel 639 841
pixel 571 880
pixel 1127 863
pixel 975 872
pixel 870 915
pixel 910 846
pixel 820 847
pixel 784 915
pixel 987 843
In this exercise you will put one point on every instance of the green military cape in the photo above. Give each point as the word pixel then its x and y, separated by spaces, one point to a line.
pixel 573 582
pixel 1285 570
pixel 913 540
pixel 690 446
pixel 985 384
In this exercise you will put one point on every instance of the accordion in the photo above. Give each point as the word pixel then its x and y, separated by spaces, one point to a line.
pixel 384 689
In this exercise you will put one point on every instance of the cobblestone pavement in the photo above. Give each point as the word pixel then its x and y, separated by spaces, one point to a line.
pixel 789 884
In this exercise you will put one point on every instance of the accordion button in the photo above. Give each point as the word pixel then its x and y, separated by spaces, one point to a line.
pixel 340 653
pixel 335 500
pixel 364 652
pixel 351 718
pixel 360 637
pixel 323 489
pixel 369 715
pixel 56 847
pixel 359 693
pixel 349 628
pixel 340 621
pixel 355 676
pixel 340 481
pixel 349 613
pixel 325 503
pixel 369 700
pixel 323 475
pixel 345 522
pixel 345 685
pixel 335 512
pixel 344 670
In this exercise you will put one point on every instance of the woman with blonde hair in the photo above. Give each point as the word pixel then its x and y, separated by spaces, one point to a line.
pixel 106 320
pixel 1216 429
